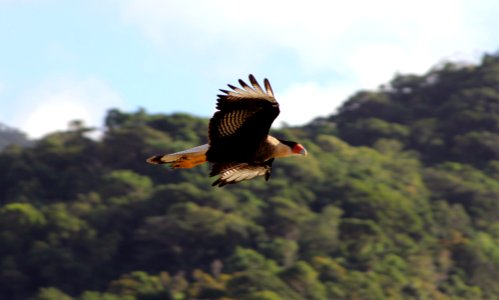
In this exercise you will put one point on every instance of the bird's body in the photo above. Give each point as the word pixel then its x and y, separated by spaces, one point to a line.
pixel 239 147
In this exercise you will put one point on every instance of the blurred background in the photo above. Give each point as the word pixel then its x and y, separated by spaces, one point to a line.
pixel 397 104
pixel 62 61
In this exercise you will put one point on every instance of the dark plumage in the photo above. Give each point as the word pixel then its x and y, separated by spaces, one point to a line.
pixel 239 146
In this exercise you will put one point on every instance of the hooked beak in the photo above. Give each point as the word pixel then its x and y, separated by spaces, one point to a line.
pixel 299 149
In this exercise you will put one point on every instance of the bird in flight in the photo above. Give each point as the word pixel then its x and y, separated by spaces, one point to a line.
pixel 239 147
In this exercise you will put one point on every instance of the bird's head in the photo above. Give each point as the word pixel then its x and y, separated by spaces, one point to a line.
pixel 296 148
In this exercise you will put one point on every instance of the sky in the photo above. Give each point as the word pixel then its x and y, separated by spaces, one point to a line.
pixel 67 60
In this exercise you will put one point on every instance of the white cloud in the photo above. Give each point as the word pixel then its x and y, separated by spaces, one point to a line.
pixel 318 31
pixel 302 102
pixel 366 42
pixel 53 103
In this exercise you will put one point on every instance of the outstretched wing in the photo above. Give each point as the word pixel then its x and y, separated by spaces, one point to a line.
pixel 235 172
pixel 242 121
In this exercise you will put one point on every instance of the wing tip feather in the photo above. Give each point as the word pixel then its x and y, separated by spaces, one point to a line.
pixel 268 87
pixel 219 182
pixel 242 83
pixel 251 91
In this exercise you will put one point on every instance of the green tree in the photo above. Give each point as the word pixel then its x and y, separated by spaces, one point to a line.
pixel 139 285
pixel 52 293
pixel 304 280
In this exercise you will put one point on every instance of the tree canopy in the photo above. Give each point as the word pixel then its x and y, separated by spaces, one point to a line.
pixel 398 199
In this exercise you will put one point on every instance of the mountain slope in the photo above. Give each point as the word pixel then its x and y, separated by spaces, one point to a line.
pixel 397 200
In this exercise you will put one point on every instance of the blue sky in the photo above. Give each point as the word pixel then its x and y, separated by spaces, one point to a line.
pixel 66 60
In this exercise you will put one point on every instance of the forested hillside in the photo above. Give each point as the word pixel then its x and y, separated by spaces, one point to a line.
pixel 10 136
pixel 398 199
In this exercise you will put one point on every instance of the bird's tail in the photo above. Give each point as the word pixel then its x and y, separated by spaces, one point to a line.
pixel 184 159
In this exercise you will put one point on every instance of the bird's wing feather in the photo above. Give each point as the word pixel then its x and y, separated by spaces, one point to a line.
pixel 235 172
pixel 242 121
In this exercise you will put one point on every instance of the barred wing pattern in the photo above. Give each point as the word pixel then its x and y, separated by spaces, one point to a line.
pixel 237 130
pixel 242 121
pixel 235 172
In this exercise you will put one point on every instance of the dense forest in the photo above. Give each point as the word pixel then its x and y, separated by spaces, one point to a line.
pixel 398 199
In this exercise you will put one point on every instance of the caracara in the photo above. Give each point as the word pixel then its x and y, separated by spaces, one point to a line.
pixel 239 146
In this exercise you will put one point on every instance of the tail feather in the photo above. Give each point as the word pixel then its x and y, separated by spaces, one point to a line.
pixel 156 159
pixel 184 159
pixel 163 159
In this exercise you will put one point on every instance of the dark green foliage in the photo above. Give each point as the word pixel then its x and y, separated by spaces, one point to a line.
pixel 446 114
pixel 398 199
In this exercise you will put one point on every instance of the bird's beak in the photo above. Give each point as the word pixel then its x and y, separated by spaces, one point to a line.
pixel 299 149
